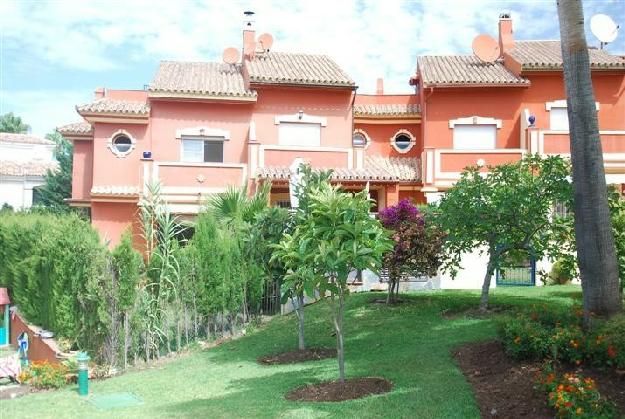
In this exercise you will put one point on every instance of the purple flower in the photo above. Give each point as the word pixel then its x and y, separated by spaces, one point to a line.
pixel 405 210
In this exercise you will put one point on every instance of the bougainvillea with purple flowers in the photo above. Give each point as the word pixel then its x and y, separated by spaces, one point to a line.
pixel 418 245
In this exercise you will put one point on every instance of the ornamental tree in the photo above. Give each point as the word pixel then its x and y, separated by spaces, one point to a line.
pixel 504 212
pixel 418 245
pixel 291 255
pixel 334 236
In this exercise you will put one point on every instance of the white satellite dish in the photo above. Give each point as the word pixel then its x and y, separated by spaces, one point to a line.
pixel 604 28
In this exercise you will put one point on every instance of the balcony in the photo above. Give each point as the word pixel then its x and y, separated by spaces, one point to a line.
pixel 443 167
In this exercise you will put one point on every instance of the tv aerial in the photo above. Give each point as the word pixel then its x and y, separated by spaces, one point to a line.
pixel 604 29
pixel 486 48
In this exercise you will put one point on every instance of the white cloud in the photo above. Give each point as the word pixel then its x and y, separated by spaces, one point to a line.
pixel 44 110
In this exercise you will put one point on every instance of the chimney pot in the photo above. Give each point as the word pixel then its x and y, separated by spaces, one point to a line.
pixel 379 89
pixel 99 93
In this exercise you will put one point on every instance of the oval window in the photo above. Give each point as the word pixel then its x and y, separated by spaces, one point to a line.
pixel 359 140
pixel 403 142
pixel 122 144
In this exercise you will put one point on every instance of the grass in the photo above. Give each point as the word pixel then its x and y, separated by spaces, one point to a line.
pixel 409 344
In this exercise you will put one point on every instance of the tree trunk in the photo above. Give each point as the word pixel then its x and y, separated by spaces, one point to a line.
pixel 337 318
pixel 300 318
pixel 596 254
pixel 487 278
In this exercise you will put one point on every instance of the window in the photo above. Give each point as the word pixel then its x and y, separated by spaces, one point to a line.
pixel 121 143
pixel 558 115
pixel 299 134
pixel 202 151
pixel 558 119
pixel 475 137
pixel 561 210
pixel 403 141
pixel 360 139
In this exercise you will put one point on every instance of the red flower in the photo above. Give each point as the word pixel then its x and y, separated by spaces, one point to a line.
pixel 612 352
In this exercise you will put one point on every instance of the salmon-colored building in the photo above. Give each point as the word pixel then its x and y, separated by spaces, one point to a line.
pixel 200 127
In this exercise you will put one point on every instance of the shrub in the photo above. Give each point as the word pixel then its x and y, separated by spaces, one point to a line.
pixel 574 396
pixel 524 338
pixel 42 374
pixel 607 345
pixel 561 273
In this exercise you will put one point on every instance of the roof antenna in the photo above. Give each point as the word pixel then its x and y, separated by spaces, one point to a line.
pixel 248 18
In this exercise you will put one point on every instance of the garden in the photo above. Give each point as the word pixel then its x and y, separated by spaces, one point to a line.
pixel 178 323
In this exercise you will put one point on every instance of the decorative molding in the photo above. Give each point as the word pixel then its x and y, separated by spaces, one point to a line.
pixel 198 164
pixel 301 117
pixel 561 103
pixel 407 133
pixel 111 146
pixel 202 133
pixel 475 120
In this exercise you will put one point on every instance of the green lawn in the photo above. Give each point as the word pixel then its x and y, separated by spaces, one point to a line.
pixel 409 344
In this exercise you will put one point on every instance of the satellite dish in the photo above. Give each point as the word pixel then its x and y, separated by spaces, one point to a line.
pixel 265 41
pixel 231 55
pixel 604 28
pixel 249 48
pixel 486 48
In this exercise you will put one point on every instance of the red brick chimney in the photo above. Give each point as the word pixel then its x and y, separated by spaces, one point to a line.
pixel 379 86
pixel 506 38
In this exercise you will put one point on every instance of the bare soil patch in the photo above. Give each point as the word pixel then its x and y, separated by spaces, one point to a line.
pixel 393 303
pixel 335 391
pixel 504 388
pixel 293 357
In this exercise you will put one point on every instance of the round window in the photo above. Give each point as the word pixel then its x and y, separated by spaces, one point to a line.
pixel 122 144
pixel 403 142
pixel 359 140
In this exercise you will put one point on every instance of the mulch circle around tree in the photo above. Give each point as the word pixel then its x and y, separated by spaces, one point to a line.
pixel 383 301
pixel 293 357
pixel 335 391
pixel 505 388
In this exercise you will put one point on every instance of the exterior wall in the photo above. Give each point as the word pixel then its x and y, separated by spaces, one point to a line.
pixel 111 219
pixel 17 191
pixel 381 135
pixel 82 169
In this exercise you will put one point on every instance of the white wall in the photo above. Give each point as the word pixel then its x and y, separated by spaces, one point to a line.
pixel 18 191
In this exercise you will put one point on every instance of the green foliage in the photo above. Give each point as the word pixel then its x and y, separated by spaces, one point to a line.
pixel 54 266
pixel 128 266
pixel 509 209
pixel 42 374
pixel 561 272
pixel 333 235
pixel 58 183
pixel 11 123
pixel 617 210
pixel 541 332
pixel 574 396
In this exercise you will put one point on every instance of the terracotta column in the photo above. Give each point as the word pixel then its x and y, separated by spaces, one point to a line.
pixel 392 195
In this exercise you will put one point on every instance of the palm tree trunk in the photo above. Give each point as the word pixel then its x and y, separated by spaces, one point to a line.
pixel 596 254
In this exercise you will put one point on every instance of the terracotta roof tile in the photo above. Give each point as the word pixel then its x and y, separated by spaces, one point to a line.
pixel 541 55
pixel 301 69
pixel 106 105
pixel 403 168
pixel 377 169
pixel 9 137
pixel 443 70
pixel 200 79
pixel 13 168
pixel 411 109
pixel 76 128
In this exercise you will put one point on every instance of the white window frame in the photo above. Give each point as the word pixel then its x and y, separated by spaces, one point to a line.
pixel 202 141
pixel 111 145
pixel 560 104
pixel 407 133
pixel 475 120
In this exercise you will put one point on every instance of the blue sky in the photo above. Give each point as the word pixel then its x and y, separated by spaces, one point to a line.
pixel 53 54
